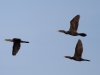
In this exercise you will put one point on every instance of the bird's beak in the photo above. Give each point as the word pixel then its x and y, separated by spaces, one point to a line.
pixel 64 57
pixel 8 40
pixel 58 31
pixel 4 40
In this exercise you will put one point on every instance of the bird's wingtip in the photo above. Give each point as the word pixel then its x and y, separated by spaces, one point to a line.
pixel 79 39
pixel 78 15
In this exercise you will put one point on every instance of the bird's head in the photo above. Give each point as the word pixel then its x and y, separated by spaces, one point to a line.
pixel 8 40
pixel 68 57
pixel 61 30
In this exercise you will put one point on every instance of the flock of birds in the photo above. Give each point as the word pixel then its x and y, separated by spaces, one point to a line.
pixel 72 31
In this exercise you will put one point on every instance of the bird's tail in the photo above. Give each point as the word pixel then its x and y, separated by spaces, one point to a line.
pixel 24 42
pixel 85 60
pixel 82 34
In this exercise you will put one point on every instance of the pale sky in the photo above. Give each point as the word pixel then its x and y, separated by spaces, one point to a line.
pixel 38 21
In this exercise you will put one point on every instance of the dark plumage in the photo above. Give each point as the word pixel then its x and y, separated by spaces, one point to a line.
pixel 73 27
pixel 78 52
pixel 16 45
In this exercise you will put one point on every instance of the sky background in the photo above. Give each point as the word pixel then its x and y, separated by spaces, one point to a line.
pixel 38 21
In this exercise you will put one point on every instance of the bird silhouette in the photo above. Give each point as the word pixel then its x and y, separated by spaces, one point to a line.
pixel 73 27
pixel 78 52
pixel 16 44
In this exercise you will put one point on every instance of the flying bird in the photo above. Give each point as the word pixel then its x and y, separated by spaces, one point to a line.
pixel 16 44
pixel 78 52
pixel 73 27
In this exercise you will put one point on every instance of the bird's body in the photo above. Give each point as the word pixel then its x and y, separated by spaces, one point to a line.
pixel 73 27
pixel 73 33
pixel 78 52
pixel 16 45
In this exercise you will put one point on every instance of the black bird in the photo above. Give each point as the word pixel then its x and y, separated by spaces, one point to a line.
pixel 78 52
pixel 73 27
pixel 16 44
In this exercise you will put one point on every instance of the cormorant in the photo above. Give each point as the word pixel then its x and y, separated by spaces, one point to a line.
pixel 78 52
pixel 16 44
pixel 73 27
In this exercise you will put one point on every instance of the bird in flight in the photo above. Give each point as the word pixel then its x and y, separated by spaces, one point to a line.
pixel 78 52
pixel 16 44
pixel 73 27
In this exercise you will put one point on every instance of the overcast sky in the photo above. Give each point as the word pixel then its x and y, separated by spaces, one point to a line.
pixel 38 21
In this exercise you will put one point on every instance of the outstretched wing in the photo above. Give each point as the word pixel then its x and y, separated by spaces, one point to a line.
pixel 74 23
pixel 16 47
pixel 78 49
